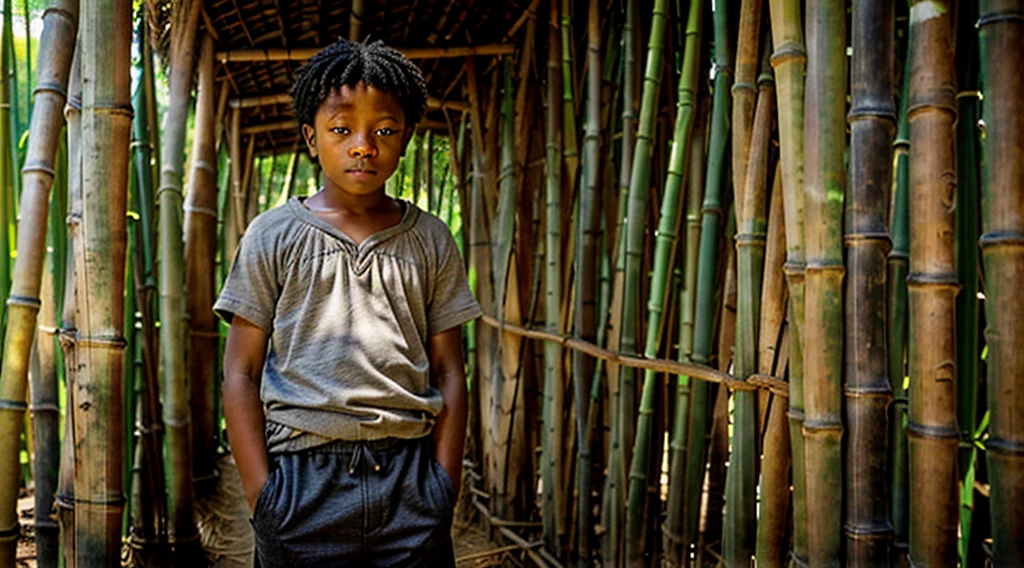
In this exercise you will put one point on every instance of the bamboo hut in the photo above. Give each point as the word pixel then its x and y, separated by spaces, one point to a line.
pixel 708 339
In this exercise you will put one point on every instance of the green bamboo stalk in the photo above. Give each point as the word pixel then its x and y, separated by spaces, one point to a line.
pixel 665 241
pixel 181 529
pixel 867 390
pixel 751 220
pixel 789 61
pixel 707 273
pixel 16 127
pixel 672 529
pixel 615 481
pixel 550 467
pixel 932 288
pixel 105 137
pixel 825 136
pixel 28 57
pixel 570 143
pixel 968 172
pixel 585 317
pixel 899 259
pixel 200 232
pixel 7 213
pixel 636 228
pixel 1002 33
pixel 56 48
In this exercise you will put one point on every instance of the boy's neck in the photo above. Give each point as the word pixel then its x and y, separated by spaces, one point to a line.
pixel 334 199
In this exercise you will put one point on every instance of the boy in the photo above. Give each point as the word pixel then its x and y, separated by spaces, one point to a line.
pixel 348 428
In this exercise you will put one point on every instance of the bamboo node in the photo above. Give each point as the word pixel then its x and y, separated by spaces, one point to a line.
pixel 820 266
pixel 111 504
pixel 43 407
pixel 16 405
pixel 941 104
pixel 112 342
pixel 204 165
pixel 112 110
pixel 867 237
pixel 72 18
pixel 24 301
pixel 993 239
pixel 49 87
pixel 863 532
pixel 919 280
pixel 975 94
pixel 10 533
pixel 945 433
pixel 789 52
pixel 39 167
pixel 996 17
pixel 200 210
pixel 885 114
pixel 743 86
pixel 48 329
pixel 169 188
pixel 1005 447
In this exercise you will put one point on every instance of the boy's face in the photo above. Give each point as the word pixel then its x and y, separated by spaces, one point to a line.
pixel 359 135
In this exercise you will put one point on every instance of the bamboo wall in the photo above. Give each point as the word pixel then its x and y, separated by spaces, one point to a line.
pixel 748 274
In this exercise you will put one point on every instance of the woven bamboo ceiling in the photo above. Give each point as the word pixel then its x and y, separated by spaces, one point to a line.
pixel 261 43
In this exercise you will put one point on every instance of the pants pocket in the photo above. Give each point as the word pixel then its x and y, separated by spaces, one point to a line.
pixel 445 481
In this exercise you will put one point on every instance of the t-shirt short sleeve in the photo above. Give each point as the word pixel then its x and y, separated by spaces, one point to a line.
pixel 251 289
pixel 451 303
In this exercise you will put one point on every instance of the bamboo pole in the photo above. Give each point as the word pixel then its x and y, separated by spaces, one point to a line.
pixel 181 530
pixel 866 387
pixel 899 259
pixel 1002 33
pixel 551 471
pixel 98 422
pixel 744 94
pixel 665 242
pixel 773 511
pixel 7 212
pixel 200 255
pixel 741 477
pixel 932 288
pixel 789 61
pixel 570 144
pixel 672 529
pixel 304 53
pixel 66 484
pixel 56 46
pixel 825 136
pixel 585 317
pixel 636 229
pixel 707 274
pixel 356 17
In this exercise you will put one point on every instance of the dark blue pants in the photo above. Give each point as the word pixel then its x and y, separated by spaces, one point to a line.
pixel 379 503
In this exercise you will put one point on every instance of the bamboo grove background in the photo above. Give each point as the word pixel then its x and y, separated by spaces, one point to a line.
pixel 749 267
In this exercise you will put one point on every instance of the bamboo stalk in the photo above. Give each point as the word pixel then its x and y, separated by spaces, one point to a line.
pixel 56 47
pixel 551 471
pixel 665 241
pixel 585 317
pixel 304 53
pixel 66 484
pixel 672 529
pixel 707 273
pixel 789 61
pixel 200 255
pixel 181 530
pixel 773 510
pixel 570 144
pixel 932 288
pixel 899 259
pixel 744 94
pixel 98 423
pixel 1002 33
pixel 636 228
pixel 825 136
pixel 866 388
pixel 7 212
pixel 741 477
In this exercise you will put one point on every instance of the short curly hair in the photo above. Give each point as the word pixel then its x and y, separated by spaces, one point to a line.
pixel 349 63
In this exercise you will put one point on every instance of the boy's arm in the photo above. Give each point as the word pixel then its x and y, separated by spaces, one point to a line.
pixel 244 353
pixel 449 376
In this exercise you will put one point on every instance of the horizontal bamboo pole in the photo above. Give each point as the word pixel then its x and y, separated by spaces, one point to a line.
pixel 693 370
pixel 304 53
pixel 433 103
pixel 294 125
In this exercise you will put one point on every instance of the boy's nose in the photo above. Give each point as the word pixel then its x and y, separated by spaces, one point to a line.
pixel 362 149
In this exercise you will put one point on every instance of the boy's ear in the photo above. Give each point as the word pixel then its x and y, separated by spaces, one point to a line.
pixel 309 136
pixel 406 137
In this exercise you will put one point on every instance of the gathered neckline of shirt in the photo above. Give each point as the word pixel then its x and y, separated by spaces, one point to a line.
pixel 410 214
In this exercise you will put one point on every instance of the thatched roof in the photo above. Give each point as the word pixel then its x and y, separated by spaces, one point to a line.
pixel 260 44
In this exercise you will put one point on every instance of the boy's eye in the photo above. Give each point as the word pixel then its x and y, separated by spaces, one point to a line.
pixel 340 130
pixel 385 131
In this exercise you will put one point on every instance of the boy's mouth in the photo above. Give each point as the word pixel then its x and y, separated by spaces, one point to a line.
pixel 360 172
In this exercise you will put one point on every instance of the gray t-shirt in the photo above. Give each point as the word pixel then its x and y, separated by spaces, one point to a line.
pixel 348 324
